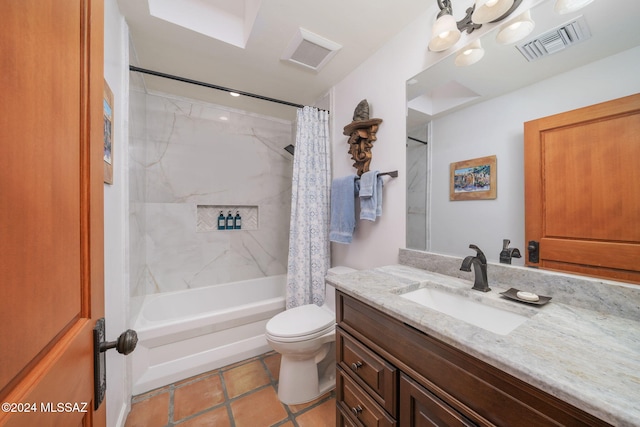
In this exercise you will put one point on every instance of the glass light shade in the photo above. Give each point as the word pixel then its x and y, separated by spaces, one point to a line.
pixel 490 10
pixel 445 34
pixel 517 29
pixel 568 6
pixel 470 54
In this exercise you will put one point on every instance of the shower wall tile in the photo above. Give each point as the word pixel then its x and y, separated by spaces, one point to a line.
pixel 138 273
pixel 194 158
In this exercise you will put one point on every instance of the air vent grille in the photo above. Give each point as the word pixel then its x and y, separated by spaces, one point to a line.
pixel 310 50
pixel 556 40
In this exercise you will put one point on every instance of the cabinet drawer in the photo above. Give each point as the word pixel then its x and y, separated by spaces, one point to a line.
pixel 420 407
pixel 378 377
pixel 359 405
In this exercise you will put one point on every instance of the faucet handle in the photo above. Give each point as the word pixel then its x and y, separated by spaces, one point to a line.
pixel 480 255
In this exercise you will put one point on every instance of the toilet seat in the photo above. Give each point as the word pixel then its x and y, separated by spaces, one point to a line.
pixel 300 323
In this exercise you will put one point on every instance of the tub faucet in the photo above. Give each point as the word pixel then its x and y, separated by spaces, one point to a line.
pixel 479 262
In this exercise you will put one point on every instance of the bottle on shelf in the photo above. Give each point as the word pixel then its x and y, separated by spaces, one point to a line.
pixel 229 224
pixel 237 221
pixel 222 224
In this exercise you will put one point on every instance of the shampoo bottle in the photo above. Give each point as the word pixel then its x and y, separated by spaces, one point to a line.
pixel 229 221
pixel 221 221
pixel 237 221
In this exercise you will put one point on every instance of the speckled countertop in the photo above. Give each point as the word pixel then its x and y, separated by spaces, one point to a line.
pixel 588 358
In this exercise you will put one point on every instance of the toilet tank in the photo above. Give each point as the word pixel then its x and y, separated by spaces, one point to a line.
pixel 330 291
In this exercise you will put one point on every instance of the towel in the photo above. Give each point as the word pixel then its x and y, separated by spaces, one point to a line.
pixel 343 216
pixel 370 195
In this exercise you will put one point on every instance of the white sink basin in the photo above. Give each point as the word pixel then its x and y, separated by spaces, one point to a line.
pixel 463 308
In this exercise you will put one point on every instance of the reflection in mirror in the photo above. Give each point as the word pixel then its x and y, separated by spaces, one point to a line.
pixel 479 110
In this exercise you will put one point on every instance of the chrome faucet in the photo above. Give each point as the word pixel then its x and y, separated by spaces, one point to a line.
pixel 479 262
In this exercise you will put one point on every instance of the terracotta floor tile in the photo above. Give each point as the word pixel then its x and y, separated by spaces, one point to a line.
pixel 197 396
pixel 323 415
pixel 297 408
pixel 218 418
pixel 273 364
pixel 145 396
pixel 197 377
pixel 259 409
pixel 153 412
pixel 244 378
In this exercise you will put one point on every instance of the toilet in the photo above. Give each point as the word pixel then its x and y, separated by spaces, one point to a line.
pixel 305 338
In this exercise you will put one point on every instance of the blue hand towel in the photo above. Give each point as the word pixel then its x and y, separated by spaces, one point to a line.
pixel 370 195
pixel 343 216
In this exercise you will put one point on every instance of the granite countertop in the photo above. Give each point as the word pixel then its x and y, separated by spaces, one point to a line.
pixel 588 358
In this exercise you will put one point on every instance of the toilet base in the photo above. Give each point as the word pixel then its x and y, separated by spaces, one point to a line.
pixel 305 379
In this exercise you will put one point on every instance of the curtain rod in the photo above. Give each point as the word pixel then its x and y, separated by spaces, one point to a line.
pixel 417 140
pixel 211 86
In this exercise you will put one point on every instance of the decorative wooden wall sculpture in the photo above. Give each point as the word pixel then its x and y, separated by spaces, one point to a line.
pixel 362 133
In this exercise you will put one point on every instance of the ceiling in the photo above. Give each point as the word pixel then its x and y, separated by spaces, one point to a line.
pixel 186 38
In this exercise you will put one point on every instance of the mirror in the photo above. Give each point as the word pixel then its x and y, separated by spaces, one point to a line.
pixel 464 113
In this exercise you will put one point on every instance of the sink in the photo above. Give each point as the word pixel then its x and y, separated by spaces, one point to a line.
pixel 490 318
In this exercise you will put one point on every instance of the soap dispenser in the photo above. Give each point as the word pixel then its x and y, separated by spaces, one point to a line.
pixel 229 221
pixel 221 221
pixel 237 221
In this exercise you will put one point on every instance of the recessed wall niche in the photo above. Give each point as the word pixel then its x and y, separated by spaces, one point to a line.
pixel 207 217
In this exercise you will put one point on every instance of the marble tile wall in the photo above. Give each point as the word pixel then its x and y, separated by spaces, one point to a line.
pixel 194 157
pixel 138 276
pixel 417 190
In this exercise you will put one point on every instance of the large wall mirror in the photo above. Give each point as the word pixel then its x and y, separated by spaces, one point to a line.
pixel 463 113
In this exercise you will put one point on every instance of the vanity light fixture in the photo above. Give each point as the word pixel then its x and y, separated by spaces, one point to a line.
pixel 517 29
pixel 568 6
pixel 490 10
pixel 470 54
pixel 445 32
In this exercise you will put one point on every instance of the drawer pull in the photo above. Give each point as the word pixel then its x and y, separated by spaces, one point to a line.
pixel 356 410
pixel 356 365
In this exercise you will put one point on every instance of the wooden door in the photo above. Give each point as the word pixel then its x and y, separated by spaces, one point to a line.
pixel 582 190
pixel 51 210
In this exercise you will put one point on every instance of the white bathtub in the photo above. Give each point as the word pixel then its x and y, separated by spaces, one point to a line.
pixel 186 333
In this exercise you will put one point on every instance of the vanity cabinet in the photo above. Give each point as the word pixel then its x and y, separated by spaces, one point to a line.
pixel 391 374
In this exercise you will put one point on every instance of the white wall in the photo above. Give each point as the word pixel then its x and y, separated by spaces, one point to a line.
pixel 381 80
pixel 116 198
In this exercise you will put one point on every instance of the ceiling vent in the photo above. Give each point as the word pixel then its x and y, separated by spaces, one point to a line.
pixel 556 40
pixel 310 50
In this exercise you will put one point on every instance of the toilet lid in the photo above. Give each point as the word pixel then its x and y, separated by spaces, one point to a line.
pixel 300 321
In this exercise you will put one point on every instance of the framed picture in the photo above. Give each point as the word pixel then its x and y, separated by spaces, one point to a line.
pixel 474 179
pixel 107 107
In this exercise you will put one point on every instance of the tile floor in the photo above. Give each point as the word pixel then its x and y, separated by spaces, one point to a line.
pixel 240 395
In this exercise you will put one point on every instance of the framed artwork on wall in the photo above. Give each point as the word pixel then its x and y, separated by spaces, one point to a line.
pixel 475 179
pixel 107 103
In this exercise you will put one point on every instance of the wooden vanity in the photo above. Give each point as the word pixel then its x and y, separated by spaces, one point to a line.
pixel 391 374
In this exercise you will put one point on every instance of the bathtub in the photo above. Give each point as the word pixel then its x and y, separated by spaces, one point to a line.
pixel 186 333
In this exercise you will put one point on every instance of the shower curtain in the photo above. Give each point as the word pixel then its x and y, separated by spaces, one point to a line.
pixel 309 256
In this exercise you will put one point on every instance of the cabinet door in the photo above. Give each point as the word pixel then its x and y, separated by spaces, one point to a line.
pixel 420 408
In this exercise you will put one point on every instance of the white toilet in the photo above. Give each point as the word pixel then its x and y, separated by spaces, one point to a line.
pixel 305 337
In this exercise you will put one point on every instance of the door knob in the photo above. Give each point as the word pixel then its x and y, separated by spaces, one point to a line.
pixel 125 343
